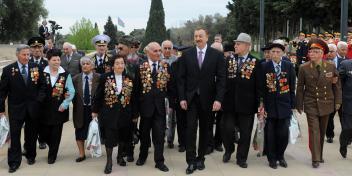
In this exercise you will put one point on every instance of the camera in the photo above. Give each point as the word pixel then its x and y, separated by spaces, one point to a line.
pixel 54 26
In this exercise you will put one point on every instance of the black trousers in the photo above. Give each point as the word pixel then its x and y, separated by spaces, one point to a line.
pixel 277 134
pixel 345 137
pixel 244 122
pixel 196 112
pixel 330 129
pixel 53 138
pixel 156 124
pixel 31 135
pixel 181 120
pixel 215 140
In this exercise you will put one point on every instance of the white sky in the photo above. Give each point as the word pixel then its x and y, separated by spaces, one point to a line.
pixel 134 13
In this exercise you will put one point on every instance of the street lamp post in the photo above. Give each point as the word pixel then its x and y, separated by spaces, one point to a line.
pixel 261 27
pixel 344 18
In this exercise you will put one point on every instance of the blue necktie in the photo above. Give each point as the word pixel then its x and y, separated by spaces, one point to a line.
pixel 24 74
pixel 86 96
pixel 278 71
pixel 240 62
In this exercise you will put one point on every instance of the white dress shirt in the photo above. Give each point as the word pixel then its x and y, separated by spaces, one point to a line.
pixel 118 79
pixel 203 52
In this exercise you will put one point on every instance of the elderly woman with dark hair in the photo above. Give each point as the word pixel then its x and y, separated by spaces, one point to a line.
pixel 113 102
pixel 59 85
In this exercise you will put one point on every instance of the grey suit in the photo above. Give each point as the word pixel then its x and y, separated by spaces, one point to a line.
pixel 73 65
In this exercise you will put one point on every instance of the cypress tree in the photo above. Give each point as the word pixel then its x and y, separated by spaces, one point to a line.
pixel 111 30
pixel 156 30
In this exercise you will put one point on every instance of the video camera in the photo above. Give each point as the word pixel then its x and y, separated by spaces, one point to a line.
pixel 54 26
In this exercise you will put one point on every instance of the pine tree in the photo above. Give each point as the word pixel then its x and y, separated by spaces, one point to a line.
pixel 156 30
pixel 111 30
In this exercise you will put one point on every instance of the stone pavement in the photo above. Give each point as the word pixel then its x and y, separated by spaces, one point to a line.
pixel 297 156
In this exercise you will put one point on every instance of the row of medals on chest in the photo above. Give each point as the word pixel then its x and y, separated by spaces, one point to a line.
pixel 246 69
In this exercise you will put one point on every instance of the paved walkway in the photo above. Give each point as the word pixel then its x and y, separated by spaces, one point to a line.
pixel 297 156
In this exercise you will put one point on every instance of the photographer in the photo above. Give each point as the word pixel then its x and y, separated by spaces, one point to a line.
pixel 43 30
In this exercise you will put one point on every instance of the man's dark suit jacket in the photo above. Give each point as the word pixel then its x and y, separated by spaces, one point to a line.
pixel 22 97
pixel 207 81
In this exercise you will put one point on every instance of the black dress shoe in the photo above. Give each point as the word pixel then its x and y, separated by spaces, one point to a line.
pixel 315 164
pixel 140 162
pixel 242 164
pixel 181 149
pixel 329 140
pixel 200 165
pixel 80 159
pixel 130 158
pixel 343 152
pixel 209 150
pixel 121 161
pixel 162 167
pixel 13 168
pixel 273 165
pixel 226 158
pixel 170 145
pixel 190 169
pixel 108 167
pixel 283 163
pixel 219 148
pixel 51 161
pixel 42 145
pixel 30 161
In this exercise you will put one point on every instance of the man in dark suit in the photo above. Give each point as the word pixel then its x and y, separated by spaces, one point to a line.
pixel 332 57
pixel 85 84
pixel 24 86
pixel 201 86
pixel 278 94
pixel 70 61
pixel 152 85
pixel 345 71
pixel 241 100
pixel 43 30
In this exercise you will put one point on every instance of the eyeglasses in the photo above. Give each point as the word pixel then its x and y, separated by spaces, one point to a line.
pixel 167 48
pixel 332 51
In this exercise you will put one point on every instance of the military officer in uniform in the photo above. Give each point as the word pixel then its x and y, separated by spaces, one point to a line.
pixel 318 95
pixel 302 50
pixel 37 47
pixel 101 58
pixel 346 118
